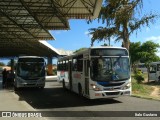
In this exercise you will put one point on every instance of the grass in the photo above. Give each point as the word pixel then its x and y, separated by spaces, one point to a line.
pixel 143 90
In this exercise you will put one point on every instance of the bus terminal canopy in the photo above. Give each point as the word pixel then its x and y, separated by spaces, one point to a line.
pixel 24 22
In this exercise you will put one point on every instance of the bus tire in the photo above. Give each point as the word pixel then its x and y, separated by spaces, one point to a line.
pixel 41 88
pixel 63 84
pixel 159 79
pixel 16 89
pixel 80 90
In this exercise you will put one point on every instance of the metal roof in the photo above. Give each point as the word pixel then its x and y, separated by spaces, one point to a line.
pixel 24 22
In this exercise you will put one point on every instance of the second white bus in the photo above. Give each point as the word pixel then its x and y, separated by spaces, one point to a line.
pixel 30 72
pixel 154 71
pixel 98 72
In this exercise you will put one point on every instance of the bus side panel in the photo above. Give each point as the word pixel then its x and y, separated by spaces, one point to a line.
pixel 152 72
pixel 77 80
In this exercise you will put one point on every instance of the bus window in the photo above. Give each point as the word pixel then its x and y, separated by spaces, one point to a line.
pixel 79 63
pixel 74 64
pixel 66 64
pixel 158 67
pixel 152 69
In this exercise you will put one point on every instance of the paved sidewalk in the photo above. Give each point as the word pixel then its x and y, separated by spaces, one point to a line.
pixel 9 101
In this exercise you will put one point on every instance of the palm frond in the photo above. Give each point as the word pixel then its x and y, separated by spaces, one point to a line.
pixel 101 33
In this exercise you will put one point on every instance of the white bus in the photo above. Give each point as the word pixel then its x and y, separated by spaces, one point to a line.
pixel 154 71
pixel 30 72
pixel 98 72
pixel 141 67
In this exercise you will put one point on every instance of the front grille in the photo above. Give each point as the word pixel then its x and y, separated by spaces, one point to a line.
pixel 112 93
pixel 112 88
pixel 30 78
pixel 30 84
pixel 110 84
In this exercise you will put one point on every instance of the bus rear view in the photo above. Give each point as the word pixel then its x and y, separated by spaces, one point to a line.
pixel 30 72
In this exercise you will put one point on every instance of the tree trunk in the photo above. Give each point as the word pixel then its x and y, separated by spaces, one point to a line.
pixel 148 73
pixel 126 41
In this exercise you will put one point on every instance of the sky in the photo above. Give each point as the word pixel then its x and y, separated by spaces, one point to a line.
pixel 77 37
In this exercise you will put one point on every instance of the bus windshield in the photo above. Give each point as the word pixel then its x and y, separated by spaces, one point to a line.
pixel 31 69
pixel 110 68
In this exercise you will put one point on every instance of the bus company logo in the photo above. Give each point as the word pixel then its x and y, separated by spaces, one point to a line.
pixel 112 88
pixel 6 114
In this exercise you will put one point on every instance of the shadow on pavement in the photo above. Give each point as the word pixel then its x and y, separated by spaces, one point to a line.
pixel 57 98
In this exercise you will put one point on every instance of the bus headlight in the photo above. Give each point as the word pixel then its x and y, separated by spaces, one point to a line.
pixel 95 87
pixel 127 86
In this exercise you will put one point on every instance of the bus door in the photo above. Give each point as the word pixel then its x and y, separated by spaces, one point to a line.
pixel 152 72
pixel 70 74
pixel 86 76
pixel 158 72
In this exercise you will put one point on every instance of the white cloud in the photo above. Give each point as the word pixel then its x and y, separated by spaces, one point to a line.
pixel 154 38
pixel 158 53
pixel 87 33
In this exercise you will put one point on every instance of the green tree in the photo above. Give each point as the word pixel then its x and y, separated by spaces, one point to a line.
pixel 9 64
pixel 148 52
pixel 81 49
pixel 135 48
pixel 134 54
pixel 121 20
pixel 2 64
pixel 145 53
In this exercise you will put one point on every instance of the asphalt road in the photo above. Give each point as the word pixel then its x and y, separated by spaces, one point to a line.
pixel 54 98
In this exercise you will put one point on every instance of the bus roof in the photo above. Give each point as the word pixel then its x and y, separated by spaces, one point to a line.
pixel 88 49
pixel 30 57
pixel 107 47
pixel 99 47
pixel 158 62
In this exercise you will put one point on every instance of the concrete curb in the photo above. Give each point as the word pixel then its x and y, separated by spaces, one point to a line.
pixel 143 97
pixel 23 102
pixel 28 106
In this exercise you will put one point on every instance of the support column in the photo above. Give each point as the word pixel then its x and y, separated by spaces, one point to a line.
pixel 50 71
pixel 12 65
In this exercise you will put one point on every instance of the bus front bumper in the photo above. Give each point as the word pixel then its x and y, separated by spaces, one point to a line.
pixel 30 84
pixel 109 93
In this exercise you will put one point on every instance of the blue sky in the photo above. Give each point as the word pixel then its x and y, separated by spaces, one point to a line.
pixel 77 37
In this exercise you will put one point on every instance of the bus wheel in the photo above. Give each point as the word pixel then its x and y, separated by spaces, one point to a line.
pixel 159 79
pixel 80 90
pixel 15 88
pixel 41 88
pixel 63 83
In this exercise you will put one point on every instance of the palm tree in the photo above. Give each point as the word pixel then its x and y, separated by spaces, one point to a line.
pixel 120 19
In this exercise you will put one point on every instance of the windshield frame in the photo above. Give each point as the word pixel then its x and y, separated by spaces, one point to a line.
pixel 111 71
